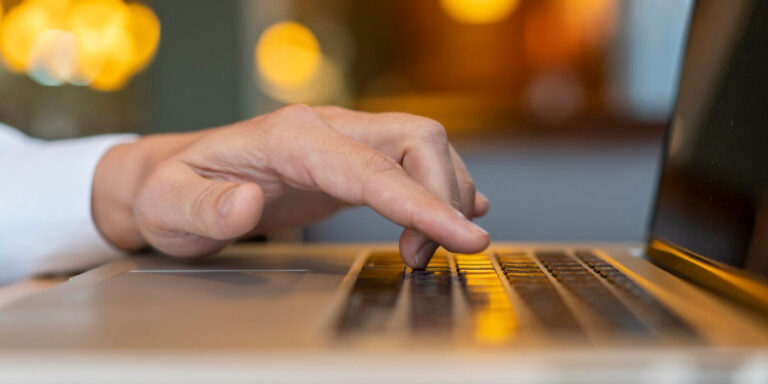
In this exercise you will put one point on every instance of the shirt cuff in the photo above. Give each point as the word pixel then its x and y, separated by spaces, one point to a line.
pixel 48 196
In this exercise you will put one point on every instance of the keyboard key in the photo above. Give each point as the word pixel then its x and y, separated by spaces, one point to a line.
pixel 653 311
pixel 538 293
pixel 494 318
pixel 585 286
pixel 432 296
pixel 374 293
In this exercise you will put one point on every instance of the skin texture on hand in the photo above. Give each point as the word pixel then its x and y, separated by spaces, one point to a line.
pixel 192 194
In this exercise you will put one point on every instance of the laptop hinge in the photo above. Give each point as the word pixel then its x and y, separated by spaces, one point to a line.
pixel 728 281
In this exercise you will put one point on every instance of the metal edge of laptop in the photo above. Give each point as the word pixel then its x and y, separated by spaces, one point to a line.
pixel 377 361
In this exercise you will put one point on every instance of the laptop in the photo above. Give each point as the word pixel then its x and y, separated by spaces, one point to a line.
pixel 690 305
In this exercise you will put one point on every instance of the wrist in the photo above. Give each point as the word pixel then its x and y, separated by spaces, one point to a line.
pixel 119 175
pixel 115 182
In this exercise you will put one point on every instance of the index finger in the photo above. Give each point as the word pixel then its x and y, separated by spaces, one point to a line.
pixel 357 174
pixel 360 175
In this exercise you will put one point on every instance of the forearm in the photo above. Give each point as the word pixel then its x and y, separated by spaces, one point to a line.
pixel 117 179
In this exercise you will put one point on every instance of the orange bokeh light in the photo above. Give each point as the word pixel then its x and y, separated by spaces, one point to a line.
pixel 479 11
pixel 556 33
pixel 112 40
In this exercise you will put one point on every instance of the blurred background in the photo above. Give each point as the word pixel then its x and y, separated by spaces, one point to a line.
pixel 557 106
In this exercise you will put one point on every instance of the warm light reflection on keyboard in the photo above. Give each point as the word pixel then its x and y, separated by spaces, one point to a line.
pixel 494 317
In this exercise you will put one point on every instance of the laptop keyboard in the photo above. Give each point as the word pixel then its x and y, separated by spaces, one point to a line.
pixel 432 296
pixel 554 286
pixel 538 293
pixel 487 299
pixel 587 287
pixel 653 312
pixel 374 293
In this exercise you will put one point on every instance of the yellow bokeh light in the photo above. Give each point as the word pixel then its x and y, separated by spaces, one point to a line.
pixel 19 31
pixel 107 17
pixel 57 9
pixel 105 41
pixel 99 28
pixel 288 55
pixel 117 64
pixel 479 11
pixel 53 58
pixel 145 29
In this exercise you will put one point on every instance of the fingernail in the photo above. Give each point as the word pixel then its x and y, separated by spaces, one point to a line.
pixel 424 254
pixel 226 202
pixel 480 229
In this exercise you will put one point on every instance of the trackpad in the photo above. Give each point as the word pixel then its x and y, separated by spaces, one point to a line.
pixel 226 283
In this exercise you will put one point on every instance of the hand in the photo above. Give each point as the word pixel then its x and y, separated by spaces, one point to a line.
pixel 193 194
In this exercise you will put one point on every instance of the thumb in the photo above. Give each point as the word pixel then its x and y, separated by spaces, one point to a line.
pixel 184 214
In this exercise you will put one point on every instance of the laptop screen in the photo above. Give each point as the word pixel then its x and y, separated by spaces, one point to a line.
pixel 713 194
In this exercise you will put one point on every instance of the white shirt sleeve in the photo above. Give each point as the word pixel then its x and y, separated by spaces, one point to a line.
pixel 45 204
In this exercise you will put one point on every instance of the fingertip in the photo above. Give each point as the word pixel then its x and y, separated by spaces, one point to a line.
pixel 424 255
pixel 484 239
pixel 416 249
pixel 481 204
pixel 477 241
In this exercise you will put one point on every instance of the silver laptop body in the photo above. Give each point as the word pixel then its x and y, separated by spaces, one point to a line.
pixel 690 305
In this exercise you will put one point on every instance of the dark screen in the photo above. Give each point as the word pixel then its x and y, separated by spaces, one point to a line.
pixel 713 194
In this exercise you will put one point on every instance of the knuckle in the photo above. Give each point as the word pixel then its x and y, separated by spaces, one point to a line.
pixel 431 130
pixel 331 109
pixel 296 113
pixel 282 123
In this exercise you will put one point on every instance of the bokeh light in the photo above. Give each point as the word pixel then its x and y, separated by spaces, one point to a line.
pixel 288 55
pixel 479 11
pixel 291 67
pixel 19 31
pixel 95 43
pixel 53 58
pixel 556 34
pixel 144 27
